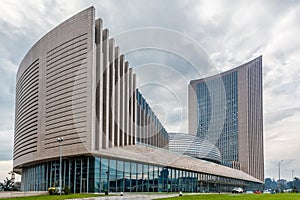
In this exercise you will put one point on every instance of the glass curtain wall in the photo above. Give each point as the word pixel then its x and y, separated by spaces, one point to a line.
pixel 94 174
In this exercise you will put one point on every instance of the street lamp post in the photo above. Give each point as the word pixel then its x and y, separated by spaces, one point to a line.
pixel 279 168
pixel 279 185
pixel 293 178
pixel 60 140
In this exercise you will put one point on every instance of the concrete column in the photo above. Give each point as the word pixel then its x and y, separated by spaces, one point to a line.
pixel 99 86
pixel 111 97
pixel 153 131
pixel 126 103
pixel 147 130
pixel 159 138
pixel 130 102
pixel 117 98
pixel 134 109
pixel 142 132
pixel 144 122
pixel 105 113
pixel 138 122
pixel 141 123
pixel 121 108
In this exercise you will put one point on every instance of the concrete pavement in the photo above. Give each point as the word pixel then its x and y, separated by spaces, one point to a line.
pixel 21 194
pixel 131 196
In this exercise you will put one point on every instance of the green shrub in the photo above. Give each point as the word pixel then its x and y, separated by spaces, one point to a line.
pixel 66 190
pixel 52 190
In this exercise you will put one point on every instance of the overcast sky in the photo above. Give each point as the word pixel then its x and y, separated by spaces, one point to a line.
pixel 230 32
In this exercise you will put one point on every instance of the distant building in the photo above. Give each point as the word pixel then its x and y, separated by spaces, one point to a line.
pixel 74 84
pixel 227 109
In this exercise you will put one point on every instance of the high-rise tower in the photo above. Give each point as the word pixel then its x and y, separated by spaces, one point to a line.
pixel 227 109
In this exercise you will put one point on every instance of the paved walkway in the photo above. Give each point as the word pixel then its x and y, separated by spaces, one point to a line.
pixel 20 194
pixel 128 196
pixel 137 197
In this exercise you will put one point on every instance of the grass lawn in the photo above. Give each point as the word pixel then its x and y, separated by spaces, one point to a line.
pixel 238 197
pixel 54 197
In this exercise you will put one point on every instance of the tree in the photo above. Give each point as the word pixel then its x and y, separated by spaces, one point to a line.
pixel 270 184
pixel 296 184
pixel 7 185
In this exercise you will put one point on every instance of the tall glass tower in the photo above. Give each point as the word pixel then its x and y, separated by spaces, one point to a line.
pixel 227 109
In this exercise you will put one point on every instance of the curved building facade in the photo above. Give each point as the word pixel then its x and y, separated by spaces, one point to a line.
pixel 194 146
pixel 228 109
pixel 55 93
pixel 74 84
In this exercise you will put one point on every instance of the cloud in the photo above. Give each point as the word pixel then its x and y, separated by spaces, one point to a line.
pixel 7 97
pixel 6 150
pixel 230 32
pixel 5 168
pixel 282 83
pixel 280 114
pixel 244 30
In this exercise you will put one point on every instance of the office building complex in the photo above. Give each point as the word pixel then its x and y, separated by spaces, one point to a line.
pixel 227 109
pixel 75 85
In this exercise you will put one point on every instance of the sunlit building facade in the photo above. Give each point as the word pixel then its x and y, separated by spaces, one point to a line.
pixel 75 84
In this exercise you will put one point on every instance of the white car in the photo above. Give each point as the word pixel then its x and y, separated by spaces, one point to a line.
pixel 237 190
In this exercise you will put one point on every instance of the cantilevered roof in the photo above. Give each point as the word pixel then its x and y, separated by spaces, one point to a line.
pixel 194 146
pixel 162 157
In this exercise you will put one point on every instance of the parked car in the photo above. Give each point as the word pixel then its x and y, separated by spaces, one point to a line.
pixel 273 192
pixel 287 191
pixel 249 192
pixel 237 190
pixel 269 191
